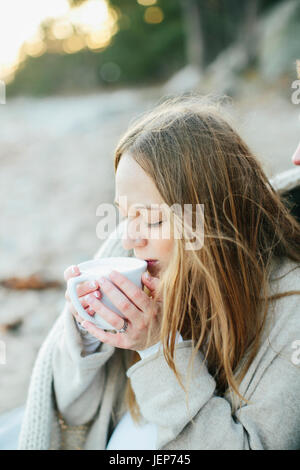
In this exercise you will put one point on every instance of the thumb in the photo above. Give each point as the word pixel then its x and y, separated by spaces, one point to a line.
pixel 152 283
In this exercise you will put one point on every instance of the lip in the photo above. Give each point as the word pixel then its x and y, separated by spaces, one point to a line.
pixel 153 267
pixel 151 262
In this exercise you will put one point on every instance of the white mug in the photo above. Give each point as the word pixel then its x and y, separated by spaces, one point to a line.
pixel 132 268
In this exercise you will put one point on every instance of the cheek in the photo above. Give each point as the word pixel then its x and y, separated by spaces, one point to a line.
pixel 163 248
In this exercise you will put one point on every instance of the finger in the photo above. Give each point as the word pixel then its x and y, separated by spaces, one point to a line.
pixel 75 313
pixel 131 291
pixel 81 300
pixel 71 271
pixel 97 294
pixel 79 319
pixel 152 283
pixel 123 303
pixel 86 287
pixel 90 311
pixel 104 312
pixel 118 340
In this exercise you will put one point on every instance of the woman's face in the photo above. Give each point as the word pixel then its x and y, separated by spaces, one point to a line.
pixel 296 156
pixel 144 230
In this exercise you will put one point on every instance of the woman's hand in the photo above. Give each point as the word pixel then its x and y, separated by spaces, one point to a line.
pixel 83 288
pixel 137 308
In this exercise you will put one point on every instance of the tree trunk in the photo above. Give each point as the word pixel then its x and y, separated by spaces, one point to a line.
pixel 248 32
pixel 193 30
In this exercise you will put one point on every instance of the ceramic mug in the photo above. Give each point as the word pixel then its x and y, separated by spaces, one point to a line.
pixel 132 268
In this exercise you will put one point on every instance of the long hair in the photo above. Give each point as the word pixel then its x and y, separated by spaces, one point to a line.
pixel 216 296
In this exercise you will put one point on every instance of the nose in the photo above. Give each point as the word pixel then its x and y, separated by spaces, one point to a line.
pixel 296 156
pixel 132 238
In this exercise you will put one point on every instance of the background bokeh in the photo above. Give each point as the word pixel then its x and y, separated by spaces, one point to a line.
pixel 76 73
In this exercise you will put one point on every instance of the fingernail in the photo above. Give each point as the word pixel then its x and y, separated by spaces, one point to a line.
pixel 97 294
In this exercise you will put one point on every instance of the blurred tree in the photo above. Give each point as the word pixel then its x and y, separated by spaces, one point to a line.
pixel 223 22
pixel 152 41
pixel 148 46
pixel 76 3
pixel 193 31
pixel 212 25
pixel 247 34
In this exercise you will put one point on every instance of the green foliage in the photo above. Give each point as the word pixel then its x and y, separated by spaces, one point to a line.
pixel 56 73
pixel 220 20
pixel 267 4
pixel 76 3
pixel 140 52
pixel 146 51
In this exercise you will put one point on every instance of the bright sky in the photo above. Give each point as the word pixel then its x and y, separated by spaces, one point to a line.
pixel 20 21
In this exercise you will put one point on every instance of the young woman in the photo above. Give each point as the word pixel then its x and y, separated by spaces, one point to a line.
pixel 210 355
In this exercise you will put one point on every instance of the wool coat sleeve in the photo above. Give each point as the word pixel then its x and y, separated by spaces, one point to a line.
pixel 79 379
pixel 270 419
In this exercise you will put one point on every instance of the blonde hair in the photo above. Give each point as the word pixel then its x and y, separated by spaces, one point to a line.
pixel 212 296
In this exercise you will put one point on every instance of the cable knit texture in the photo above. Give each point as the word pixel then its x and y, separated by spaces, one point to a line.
pixel 76 401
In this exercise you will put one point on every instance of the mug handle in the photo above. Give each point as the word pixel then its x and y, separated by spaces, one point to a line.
pixel 72 283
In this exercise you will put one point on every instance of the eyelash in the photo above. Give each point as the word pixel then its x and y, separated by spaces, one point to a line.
pixel 148 225
pixel 155 225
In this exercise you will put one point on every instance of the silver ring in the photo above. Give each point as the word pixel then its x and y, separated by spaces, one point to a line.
pixel 123 330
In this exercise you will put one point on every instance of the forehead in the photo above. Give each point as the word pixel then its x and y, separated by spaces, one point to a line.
pixel 134 184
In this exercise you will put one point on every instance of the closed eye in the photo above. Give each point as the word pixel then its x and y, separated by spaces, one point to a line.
pixel 155 225
pixel 123 217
